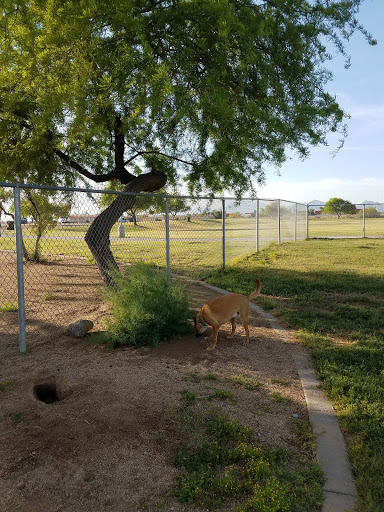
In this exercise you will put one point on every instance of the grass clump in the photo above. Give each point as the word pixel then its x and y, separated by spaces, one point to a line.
pixel 9 307
pixel 220 464
pixel 146 310
pixel 4 385
pixel 247 382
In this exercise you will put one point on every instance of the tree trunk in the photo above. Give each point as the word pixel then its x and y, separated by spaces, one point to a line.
pixel 98 234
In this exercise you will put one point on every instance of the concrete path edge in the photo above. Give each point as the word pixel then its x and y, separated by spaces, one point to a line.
pixel 339 489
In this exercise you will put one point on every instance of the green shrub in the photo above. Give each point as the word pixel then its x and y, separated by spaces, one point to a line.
pixel 146 310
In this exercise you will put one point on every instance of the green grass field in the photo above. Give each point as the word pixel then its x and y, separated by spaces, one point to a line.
pixel 332 293
pixel 345 226
pixel 195 247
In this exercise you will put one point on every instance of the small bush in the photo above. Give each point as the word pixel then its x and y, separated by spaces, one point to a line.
pixel 146 310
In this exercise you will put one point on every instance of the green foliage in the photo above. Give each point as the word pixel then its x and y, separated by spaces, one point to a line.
pixel 370 213
pixel 146 310
pixel 338 206
pixel 248 383
pixel 220 461
pixel 45 208
pixel 4 385
pixel 223 394
pixel 17 417
pixel 6 197
pixel 177 205
pixel 9 307
pixel 207 90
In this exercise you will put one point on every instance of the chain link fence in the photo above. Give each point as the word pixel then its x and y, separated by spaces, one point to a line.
pixel 50 277
pixel 346 220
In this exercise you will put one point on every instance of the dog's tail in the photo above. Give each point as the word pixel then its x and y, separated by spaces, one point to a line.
pixel 257 291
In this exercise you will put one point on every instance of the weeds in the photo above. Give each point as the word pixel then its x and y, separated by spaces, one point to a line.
pixel 220 461
pixel 48 296
pixel 277 397
pixel 246 382
pixel 146 310
pixel 223 394
pixel 9 307
pixel 17 417
pixel 4 385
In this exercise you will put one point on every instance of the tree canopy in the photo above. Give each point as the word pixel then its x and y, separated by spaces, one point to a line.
pixel 205 90
pixel 338 206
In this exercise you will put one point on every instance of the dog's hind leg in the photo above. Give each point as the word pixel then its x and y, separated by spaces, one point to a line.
pixel 233 322
pixel 245 325
pixel 244 320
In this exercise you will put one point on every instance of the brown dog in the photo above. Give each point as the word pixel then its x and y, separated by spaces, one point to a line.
pixel 225 309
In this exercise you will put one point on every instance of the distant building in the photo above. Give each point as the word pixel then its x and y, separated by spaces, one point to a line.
pixel 81 219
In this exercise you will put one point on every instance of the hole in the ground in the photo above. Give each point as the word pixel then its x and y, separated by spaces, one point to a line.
pixel 46 392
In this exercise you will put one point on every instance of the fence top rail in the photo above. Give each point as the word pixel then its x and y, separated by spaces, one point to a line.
pixel 118 192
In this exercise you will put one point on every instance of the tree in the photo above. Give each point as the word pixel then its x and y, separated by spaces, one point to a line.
pixel 6 207
pixel 272 210
pixel 142 203
pixel 370 213
pixel 177 205
pixel 202 91
pixel 45 207
pixel 338 206
pixel 6 197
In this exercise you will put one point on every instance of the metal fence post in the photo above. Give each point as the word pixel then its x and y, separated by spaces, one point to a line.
pixel 278 222
pixel 307 223
pixel 20 270
pixel 295 222
pixel 223 219
pixel 363 220
pixel 257 225
pixel 168 254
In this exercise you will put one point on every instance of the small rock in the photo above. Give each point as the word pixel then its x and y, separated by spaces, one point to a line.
pixel 20 486
pixel 296 416
pixel 79 328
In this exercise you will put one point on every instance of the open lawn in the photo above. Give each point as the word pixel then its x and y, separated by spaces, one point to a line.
pixel 332 292
pixel 319 226
pixel 195 247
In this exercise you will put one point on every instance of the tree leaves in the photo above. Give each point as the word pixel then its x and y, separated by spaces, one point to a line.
pixel 217 89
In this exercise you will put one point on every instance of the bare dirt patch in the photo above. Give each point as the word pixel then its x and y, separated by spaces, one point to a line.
pixel 103 439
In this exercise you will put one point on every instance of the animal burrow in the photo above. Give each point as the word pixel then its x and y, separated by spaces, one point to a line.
pixel 48 391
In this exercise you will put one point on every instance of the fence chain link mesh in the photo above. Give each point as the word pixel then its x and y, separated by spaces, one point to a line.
pixel 60 271
pixel 346 220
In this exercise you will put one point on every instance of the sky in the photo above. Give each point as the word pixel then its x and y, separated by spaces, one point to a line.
pixel 356 173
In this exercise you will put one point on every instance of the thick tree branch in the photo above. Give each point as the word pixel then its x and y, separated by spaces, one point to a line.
pixel 97 178
pixel 119 147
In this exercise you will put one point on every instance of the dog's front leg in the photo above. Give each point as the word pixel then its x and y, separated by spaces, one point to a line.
pixel 215 330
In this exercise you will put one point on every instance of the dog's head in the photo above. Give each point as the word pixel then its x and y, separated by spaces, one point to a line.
pixel 200 325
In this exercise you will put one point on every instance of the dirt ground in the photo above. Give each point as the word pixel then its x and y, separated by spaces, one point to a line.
pixel 97 448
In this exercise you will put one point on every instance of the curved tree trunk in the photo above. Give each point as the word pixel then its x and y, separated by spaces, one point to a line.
pixel 98 234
